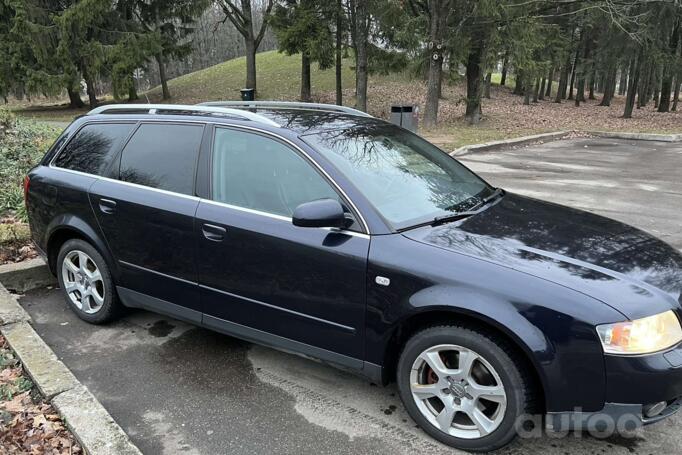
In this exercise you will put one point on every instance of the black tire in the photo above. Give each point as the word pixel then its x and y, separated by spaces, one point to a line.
pixel 502 357
pixel 111 307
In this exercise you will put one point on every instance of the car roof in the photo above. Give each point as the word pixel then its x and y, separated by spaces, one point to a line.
pixel 299 118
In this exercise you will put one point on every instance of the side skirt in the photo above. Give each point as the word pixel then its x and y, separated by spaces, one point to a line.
pixel 135 299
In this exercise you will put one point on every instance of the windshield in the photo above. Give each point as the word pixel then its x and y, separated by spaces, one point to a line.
pixel 408 180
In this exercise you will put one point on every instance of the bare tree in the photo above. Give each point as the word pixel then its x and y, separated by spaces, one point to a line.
pixel 242 19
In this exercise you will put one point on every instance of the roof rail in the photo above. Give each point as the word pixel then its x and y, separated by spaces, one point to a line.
pixel 287 105
pixel 155 108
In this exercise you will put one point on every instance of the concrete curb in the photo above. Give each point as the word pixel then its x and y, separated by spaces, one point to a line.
pixel 23 276
pixel 506 143
pixel 637 136
pixel 90 423
pixel 559 135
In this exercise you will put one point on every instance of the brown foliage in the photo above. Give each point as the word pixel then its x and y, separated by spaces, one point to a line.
pixel 28 425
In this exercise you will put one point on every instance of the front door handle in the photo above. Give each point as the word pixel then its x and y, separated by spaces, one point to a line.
pixel 107 206
pixel 214 233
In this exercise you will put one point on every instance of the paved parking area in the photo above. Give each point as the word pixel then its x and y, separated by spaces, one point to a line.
pixel 180 389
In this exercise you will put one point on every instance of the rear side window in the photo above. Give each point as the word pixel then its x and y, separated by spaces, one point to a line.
pixel 93 147
pixel 162 156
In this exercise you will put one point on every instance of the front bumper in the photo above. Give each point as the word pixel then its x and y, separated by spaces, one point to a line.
pixel 632 383
pixel 614 417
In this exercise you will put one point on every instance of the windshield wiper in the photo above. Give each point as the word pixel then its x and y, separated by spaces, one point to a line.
pixel 492 196
pixel 450 217
pixel 454 216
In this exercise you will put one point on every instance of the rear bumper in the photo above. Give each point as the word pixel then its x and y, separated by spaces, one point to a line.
pixel 632 384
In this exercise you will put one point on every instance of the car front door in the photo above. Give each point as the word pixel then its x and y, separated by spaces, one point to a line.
pixel 147 216
pixel 260 276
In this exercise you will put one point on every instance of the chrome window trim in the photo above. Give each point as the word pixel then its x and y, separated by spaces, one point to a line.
pixel 207 201
pixel 363 223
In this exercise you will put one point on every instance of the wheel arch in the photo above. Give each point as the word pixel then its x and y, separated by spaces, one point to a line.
pixel 66 228
pixel 435 316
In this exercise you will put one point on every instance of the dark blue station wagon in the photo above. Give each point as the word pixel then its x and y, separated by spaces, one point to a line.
pixel 321 230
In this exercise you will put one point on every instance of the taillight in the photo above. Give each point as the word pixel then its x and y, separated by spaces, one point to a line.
pixel 27 183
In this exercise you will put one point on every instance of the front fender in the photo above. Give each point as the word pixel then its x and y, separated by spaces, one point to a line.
pixel 552 325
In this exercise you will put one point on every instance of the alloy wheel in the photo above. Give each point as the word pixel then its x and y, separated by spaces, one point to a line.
pixel 83 282
pixel 458 391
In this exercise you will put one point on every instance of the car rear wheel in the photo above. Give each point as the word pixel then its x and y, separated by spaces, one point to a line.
pixel 86 282
pixel 463 386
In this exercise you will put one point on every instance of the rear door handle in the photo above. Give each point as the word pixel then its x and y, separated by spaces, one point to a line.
pixel 214 233
pixel 107 205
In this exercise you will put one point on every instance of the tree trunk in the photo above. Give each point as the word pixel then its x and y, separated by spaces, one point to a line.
pixel 623 83
pixel 536 90
pixel 339 37
pixel 75 100
pixel 250 45
pixel 474 78
pixel 505 63
pixel 433 89
pixel 563 79
pixel 488 81
pixel 550 76
pixel 676 95
pixel 305 78
pixel 593 80
pixel 541 94
pixel 362 16
pixel 518 86
pixel 632 86
pixel 668 69
pixel 570 88
pixel 528 93
pixel 132 91
pixel 353 28
pixel 609 85
pixel 90 89
pixel 162 76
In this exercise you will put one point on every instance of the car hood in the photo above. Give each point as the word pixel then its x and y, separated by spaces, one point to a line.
pixel 622 266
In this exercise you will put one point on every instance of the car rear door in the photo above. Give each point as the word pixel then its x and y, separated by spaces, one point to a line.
pixel 263 278
pixel 147 216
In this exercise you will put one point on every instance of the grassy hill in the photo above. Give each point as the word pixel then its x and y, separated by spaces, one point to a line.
pixel 278 78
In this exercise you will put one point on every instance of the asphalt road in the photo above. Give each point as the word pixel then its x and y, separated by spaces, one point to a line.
pixel 175 388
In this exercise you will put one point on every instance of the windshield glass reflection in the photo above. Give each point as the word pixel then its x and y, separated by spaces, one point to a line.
pixel 408 180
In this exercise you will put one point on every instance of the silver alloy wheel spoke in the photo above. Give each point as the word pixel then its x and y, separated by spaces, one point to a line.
pixel 426 390
pixel 491 393
pixel 446 416
pixel 457 391
pixel 85 303
pixel 436 363
pixel 465 363
pixel 83 283
pixel 483 423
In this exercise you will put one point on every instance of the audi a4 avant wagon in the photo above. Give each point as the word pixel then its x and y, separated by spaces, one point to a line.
pixel 323 231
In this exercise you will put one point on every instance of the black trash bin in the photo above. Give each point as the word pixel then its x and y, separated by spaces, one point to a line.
pixel 248 94
pixel 406 116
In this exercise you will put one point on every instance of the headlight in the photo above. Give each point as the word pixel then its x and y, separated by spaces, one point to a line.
pixel 641 336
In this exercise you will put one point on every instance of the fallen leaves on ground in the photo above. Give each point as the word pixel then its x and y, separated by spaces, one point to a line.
pixel 15 241
pixel 28 425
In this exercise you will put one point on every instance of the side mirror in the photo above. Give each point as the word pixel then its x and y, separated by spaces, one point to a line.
pixel 320 213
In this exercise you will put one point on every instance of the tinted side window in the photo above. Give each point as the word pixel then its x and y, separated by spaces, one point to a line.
pixel 93 147
pixel 259 173
pixel 162 156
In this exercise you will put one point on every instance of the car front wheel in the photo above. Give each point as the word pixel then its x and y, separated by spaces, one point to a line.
pixel 463 386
